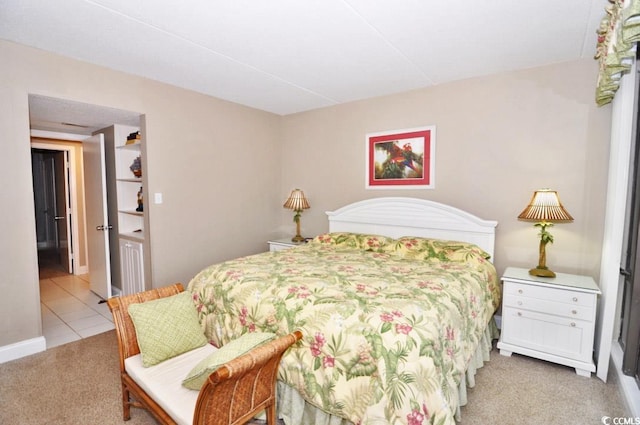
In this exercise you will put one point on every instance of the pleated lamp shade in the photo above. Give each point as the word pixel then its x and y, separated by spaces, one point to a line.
pixel 545 206
pixel 296 201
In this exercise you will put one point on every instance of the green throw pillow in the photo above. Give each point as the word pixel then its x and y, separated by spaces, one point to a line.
pixel 235 348
pixel 166 327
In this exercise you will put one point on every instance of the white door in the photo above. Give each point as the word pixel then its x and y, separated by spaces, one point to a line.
pixel 63 210
pixel 95 189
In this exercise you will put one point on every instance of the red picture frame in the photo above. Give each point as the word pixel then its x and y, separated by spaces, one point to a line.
pixel 401 159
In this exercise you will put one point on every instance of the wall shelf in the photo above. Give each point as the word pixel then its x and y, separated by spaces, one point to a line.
pixel 130 247
pixel 130 147
pixel 132 212
pixel 133 236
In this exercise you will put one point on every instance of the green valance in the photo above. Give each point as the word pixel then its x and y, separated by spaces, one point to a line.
pixel 617 35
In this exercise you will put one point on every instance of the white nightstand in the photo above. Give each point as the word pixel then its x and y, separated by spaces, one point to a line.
pixel 280 244
pixel 551 319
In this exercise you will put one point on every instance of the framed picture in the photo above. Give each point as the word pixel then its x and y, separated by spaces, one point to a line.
pixel 401 159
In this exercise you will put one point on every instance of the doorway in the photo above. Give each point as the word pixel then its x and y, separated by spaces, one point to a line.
pixel 55 208
pixel 62 125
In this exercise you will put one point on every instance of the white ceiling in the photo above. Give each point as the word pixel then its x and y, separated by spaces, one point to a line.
pixel 288 56
pixel 48 114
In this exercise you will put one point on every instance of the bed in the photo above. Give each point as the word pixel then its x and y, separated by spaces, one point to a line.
pixel 395 302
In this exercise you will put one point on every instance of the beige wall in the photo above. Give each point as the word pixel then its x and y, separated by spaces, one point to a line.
pixel 216 163
pixel 498 139
pixel 225 170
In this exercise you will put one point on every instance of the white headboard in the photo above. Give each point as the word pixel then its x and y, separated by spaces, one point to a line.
pixel 399 216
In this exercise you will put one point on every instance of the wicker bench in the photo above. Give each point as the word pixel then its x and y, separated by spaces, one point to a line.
pixel 232 394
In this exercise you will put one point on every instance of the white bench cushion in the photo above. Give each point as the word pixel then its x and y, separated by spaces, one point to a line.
pixel 163 382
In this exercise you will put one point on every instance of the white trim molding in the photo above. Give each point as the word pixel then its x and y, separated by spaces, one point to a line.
pixel 22 349
pixel 627 384
pixel 622 116
pixel 58 136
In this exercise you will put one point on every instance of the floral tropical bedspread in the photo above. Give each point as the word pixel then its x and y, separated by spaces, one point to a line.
pixel 389 325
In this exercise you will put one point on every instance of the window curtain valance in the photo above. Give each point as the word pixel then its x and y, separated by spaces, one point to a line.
pixel 617 35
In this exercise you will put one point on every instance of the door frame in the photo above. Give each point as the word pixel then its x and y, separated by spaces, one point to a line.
pixel 72 185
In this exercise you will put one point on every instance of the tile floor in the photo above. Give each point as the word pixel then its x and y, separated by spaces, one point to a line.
pixel 70 311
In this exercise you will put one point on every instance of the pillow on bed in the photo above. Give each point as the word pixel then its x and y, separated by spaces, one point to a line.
pixel 355 240
pixel 375 243
pixel 436 250
pixel 338 238
pixel 235 348
pixel 166 327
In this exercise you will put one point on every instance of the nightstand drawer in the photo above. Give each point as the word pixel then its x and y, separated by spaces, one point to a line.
pixel 548 334
pixel 552 294
pixel 539 305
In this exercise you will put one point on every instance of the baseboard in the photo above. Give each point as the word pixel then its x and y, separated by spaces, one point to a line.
pixel 22 349
pixel 627 384
pixel 81 270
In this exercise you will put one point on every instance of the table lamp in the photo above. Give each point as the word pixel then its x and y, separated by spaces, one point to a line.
pixel 545 209
pixel 297 202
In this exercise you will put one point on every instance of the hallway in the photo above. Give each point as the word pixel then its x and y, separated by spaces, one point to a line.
pixel 70 311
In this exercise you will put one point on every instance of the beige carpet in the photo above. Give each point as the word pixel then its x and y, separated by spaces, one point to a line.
pixel 78 383
pixel 520 390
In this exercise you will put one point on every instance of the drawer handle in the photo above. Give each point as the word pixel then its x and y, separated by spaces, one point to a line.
pixel 519 302
pixel 519 314
pixel 519 291
pixel 575 299
pixel 573 324
pixel 574 312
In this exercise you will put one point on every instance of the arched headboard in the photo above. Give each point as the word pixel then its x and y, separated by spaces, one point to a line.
pixel 401 216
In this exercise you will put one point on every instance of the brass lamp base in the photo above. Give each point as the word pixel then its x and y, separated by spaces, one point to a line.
pixel 297 238
pixel 542 272
pixel 545 237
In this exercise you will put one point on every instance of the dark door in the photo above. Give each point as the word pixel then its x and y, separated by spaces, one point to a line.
pixel 51 199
